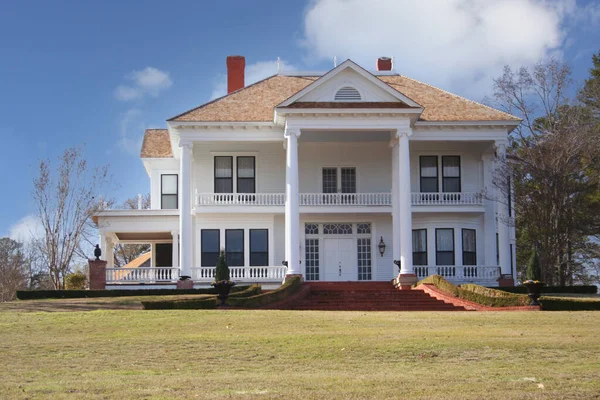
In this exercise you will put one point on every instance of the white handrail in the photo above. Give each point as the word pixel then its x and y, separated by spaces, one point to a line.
pixel 242 274
pixel 468 198
pixel 460 273
pixel 142 274
pixel 254 199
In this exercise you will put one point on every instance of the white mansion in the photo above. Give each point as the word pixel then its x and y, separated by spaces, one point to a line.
pixel 347 176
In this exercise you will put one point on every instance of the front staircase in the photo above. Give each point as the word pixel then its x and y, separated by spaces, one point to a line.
pixel 367 296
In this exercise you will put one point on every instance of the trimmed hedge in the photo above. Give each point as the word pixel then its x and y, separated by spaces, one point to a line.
pixel 564 304
pixel 290 287
pixel 188 304
pixel 477 294
pixel 252 290
pixel 579 289
pixel 77 294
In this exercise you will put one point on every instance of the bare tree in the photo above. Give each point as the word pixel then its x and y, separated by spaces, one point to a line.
pixel 554 160
pixel 66 198
pixel 14 268
pixel 125 253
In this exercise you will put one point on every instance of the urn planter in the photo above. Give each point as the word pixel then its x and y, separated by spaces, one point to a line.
pixel 223 288
pixel 534 290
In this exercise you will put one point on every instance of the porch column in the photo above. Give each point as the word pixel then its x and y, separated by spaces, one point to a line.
pixel 110 252
pixel 395 208
pixel 292 209
pixel 407 276
pixel 175 256
pixel 489 203
pixel 185 211
pixel 503 220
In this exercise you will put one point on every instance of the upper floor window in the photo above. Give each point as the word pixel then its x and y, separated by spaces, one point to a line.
pixel 347 93
pixel 429 174
pixel 451 174
pixel 428 166
pixel 168 191
pixel 245 174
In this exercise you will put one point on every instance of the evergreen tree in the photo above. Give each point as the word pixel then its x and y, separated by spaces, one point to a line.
pixel 222 270
pixel 534 271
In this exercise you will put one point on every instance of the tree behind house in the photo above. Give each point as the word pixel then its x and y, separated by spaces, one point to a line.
pixel 14 268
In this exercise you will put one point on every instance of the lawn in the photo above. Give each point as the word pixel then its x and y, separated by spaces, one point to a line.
pixel 130 354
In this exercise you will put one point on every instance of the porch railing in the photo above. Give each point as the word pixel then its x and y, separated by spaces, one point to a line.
pixel 460 273
pixel 242 274
pixel 336 199
pixel 142 275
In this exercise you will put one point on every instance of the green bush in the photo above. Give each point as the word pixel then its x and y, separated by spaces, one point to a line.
pixel 79 294
pixel 290 287
pixel 75 281
pixel 477 294
pixel 222 269
pixel 579 289
pixel 250 291
pixel 534 271
pixel 563 304
pixel 187 304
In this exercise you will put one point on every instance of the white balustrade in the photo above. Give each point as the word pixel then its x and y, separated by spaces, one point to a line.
pixel 242 274
pixel 142 274
pixel 460 273
pixel 336 199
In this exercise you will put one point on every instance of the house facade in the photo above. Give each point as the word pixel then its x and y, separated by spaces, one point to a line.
pixel 346 176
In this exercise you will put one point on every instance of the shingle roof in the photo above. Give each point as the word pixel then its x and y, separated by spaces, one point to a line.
pixel 156 144
pixel 256 103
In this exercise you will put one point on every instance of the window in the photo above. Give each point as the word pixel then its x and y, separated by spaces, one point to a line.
pixel 246 178
pixel 364 258
pixel 337 229
pixel 444 246
pixel 429 174
pixel 419 240
pixel 329 180
pixel 259 247
pixel 210 246
pixel 311 259
pixel 451 174
pixel 469 247
pixel 224 174
pixel 234 247
pixel 168 192
pixel 347 93
pixel 348 180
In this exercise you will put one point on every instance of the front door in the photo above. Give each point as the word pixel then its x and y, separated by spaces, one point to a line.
pixel 340 260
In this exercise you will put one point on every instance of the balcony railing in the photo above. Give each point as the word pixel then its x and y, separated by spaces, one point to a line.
pixel 241 274
pixel 461 273
pixel 336 199
pixel 142 275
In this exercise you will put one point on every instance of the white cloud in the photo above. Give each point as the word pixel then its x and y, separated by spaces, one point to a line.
pixel 149 81
pixel 253 73
pixel 26 229
pixel 456 44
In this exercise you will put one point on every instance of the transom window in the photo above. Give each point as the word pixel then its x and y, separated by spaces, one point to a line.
pixel 347 93
pixel 337 229
pixel 168 191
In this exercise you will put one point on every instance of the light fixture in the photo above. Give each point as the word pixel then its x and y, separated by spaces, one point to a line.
pixel 381 246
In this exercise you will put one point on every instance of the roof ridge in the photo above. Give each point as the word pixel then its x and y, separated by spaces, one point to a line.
pixel 459 96
pixel 222 97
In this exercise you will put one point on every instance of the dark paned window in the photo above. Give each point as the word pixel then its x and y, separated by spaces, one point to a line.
pixel 234 247
pixel 451 174
pixel 259 247
pixel 428 166
pixel 444 246
pixel 224 174
pixel 469 247
pixel 419 240
pixel 329 180
pixel 246 174
pixel 210 244
pixel 168 192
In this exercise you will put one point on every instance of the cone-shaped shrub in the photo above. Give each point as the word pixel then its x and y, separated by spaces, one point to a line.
pixel 222 270
pixel 534 271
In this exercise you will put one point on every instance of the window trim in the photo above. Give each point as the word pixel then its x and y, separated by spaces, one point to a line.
pixel 250 244
pixel 421 252
pixel 215 174
pixel 176 194
pixel 462 232
pixel 437 173
pixel 459 177
pixel 237 174
pixel 453 247
pixel 211 252
pixel 243 252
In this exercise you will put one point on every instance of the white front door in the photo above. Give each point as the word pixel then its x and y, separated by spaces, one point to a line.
pixel 340 259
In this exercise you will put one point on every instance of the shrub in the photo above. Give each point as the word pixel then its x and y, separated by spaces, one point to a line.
pixel 75 281
pixel 290 287
pixel 222 270
pixel 477 294
pixel 534 271
pixel 187 304
pixel 579 289
pixel 563 304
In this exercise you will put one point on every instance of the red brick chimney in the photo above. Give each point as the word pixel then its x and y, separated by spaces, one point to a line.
pixel 235 73
pixel 384 64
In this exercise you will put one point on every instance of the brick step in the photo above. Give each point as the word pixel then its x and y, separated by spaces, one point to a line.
pixel 350 308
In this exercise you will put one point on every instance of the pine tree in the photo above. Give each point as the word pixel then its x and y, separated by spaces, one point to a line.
pixel 222 270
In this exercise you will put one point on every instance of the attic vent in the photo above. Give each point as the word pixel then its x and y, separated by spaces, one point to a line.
pixel 347 93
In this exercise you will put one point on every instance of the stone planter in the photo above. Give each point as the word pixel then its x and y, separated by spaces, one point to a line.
pixel 223 288
pixel 534 290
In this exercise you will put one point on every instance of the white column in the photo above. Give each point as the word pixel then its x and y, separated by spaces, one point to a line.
pixel 489 204
pixel 175 257
pixel 103 248
pixel 404 199
pixel 395 207
pixel 292 208
pixel 503 228
pixel 110 252
pixel 185 210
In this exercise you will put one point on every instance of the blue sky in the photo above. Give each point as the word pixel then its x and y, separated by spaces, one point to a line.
pixel 97 73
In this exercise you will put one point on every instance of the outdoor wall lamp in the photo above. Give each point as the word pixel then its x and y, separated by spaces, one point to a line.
pixel 381 246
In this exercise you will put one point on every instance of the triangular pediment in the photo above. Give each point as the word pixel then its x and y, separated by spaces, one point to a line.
pixel 349 86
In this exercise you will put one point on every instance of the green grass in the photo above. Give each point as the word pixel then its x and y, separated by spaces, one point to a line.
pixel 224 354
